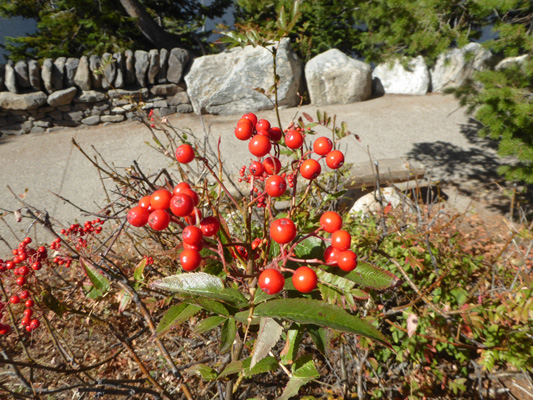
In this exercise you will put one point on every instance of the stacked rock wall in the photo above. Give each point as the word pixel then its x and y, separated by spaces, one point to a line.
pixel 90 90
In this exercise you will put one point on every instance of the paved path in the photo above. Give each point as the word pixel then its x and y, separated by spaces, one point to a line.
pixel 430 129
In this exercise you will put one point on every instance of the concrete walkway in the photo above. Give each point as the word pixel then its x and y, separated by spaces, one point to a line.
pixel 431 129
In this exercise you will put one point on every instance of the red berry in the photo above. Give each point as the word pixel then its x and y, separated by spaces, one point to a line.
pixel 144 202
pixel 275 185
pixel 294 139
pixel 347 260
pixel 259 145
pixel 34 324
pixel 335 159
pixel 341 240
pixel 180 186
pixel 275 134
pixel 322 146
pixel 190 259
pixel 282 230
pixel 331 255
pixel 304 279
pixel 193 195
pixel 271 281
pixel 21 281
pixel 330 221
pixel 181 205
pixel 160 199
pixel 25 321
pixel 36 266
pixel 159 220
pixel 192 235
pixel 185 154
pixel 29 303
pixel 24 295
pixel 310 169
pixel 14 299
pixel 252 117
pixel 197 247
pixel 264 133
pixel 138 216
pixel 244 129
pixel 272 165
pixel 262 124
pixel 28 312
pixel 256 168
pixel 210 226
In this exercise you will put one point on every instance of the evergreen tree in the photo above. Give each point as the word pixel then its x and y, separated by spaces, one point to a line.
pixel 76 27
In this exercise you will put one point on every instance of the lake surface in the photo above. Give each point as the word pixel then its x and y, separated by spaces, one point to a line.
pixel 14 27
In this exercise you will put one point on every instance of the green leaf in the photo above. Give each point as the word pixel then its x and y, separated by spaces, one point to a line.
pixel 372 277
pixel 267 364
pixel 205 371
pixel 176 315
pixel 208 324
pixel 234 367
pixel 311 247
pixel 242 317
pixel 269 333
pixel 99 281
pixel 320 337
pixel 307 311
pixel 125 300
pixel 212 306
pixel 52 303
pixel 227 336
pixel 294 337
pixel 139 271
pixel 304 371
pixel 202 284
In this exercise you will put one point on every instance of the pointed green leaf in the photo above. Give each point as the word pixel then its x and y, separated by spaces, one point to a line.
pixel 311 247
pixel 52 303
pixel 372 277
pixel 99 281
pixel 212 306
pixel 202 284
pixel 208 324
pixel 307 311
pixel 234 367
pixel 139 271
pixel 303 372
pixel 294 337
pixel 205 371
pixel 320 337
pixel 227 336
pixel 125 300
pixel 242 317
pixel 176 315
pixel 269 333
pixel 267 364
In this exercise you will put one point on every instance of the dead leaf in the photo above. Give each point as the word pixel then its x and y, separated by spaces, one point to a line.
pixel 412 323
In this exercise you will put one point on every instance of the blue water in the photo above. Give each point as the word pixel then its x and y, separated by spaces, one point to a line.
pixel 14 27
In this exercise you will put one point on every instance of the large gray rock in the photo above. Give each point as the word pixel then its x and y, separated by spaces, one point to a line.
pixel 82 78
pixel 121 70
pixel 224 83
pixel 58 73
pixel 96 75
pixel 142 63
pixel 334 78
pixel 2 76
pixel 90 96
pixel 110 71
pixel 130 67
pixel 177 62
pixel 62 97
pixel 453 67
pixel 10 80
pixel 163 62
pixel 46 75
pixel 30 101
pixel 34 74
pixel 510 62
pixel 153 68
pixel 71 65
pixel 21 74
pixel 394 78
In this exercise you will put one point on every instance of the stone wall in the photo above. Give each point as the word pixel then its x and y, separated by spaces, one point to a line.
pixel 68 92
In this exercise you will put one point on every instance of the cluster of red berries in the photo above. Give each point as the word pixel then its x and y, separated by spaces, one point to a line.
pixel 77 234
pixel 304 279
pixel 25 261
pixel 163 206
